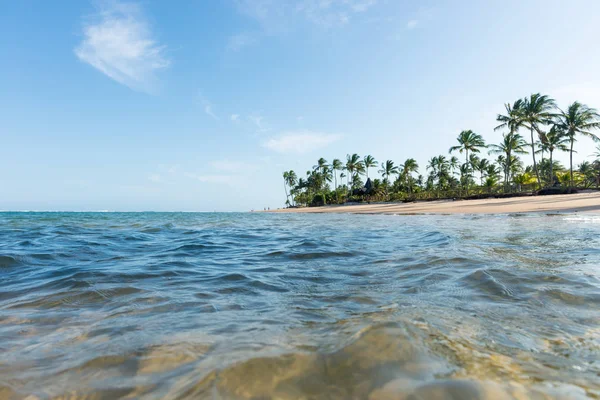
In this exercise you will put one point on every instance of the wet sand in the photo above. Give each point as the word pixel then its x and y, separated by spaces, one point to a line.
pixel 569 203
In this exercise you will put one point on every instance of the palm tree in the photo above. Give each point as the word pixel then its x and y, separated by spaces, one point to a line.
pixel 555 139
pixel 536 110
pixel 578 119
pixel 468 141
pixel 482 167
pixel 285 179
pixel 387 169
pixel 354 166
pixel 290 179
pixel 409 167
pixel 439 169
pixel 321 165
pixel 369 162
pixel 512 143
pixel 454 164
pixel 336 165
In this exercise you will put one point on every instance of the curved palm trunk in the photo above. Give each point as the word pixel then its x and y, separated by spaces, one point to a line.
pixel 287 196
pixel 506 171
pixel 551 180
pixel 571 162
pixel 535 168
pixel 467 177
pixel 337 195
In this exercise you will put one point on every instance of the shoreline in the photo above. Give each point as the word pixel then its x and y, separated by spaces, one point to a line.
pixel 564 203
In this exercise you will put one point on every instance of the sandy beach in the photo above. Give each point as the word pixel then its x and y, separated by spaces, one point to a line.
pixel 581 202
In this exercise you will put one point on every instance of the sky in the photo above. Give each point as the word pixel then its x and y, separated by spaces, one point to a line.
pixel 201 105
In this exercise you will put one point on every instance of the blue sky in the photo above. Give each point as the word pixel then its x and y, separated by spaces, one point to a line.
pixel 200 105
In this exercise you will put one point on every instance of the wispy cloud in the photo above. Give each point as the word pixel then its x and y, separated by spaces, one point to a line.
pixel 118 42
pixel 279 15
pixel 233 166
pixel 257 120
pixel 234 117
pixel 241 40
pixel 300 141
pixel 412 24
pixel 207 105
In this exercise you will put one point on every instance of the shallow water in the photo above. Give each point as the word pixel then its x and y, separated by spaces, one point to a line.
pixel 259 306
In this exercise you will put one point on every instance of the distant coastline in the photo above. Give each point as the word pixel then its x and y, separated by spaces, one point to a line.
pixel 568 203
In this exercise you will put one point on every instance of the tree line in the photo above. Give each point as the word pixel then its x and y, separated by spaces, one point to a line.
pixel 548 129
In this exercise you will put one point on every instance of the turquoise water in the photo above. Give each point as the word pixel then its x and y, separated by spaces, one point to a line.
pixel 259 306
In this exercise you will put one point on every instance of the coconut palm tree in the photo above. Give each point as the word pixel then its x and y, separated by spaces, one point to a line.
pixel 555 139
pixel 468 141
pixel 290 179
pixel 536 110
pixel 369 162
pixel 354 166
pixel 512 144
pixel 336 165
pixel 321 165
pixel 285 178
pixel 454 164
pixel 482 167
pixel 579 119
pixel 409 167
pixel 387 169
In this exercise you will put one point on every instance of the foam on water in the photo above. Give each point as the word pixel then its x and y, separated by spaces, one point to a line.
pixel 248 306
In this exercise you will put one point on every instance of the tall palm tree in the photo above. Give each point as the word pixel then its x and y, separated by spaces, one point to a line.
pixel 468 141
pixel 555 139
pixel 285 179
pixel 439 168
pixel 336 165
pixel 409 167
pixel 291 179
pixel 482 167
pixel 512 144
pixel 369 162
pixel 387 169
pixel 321 165
pixel 454 164
pixel 579 119
pixel 537 110
pixel 354 166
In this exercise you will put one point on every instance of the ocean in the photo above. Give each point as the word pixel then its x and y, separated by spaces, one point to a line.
pixel 299 306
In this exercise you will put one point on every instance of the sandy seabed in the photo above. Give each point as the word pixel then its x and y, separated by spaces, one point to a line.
pixel 568 203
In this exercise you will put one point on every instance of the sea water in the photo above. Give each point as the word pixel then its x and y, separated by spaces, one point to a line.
pixel 298 306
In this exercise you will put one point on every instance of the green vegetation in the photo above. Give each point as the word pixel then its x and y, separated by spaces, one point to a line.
pixel 550 130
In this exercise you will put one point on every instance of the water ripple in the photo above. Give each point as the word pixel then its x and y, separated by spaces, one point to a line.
pixel 246 306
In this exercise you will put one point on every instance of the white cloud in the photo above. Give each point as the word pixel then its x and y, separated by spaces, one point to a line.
pixel 119 43
pixel 207 105
pixel 241 40
pixel 412 24
pixel 279 15
pixel 257 120
pixel 362 6
pixel 300 141
pixel 234 117
pixel 233 166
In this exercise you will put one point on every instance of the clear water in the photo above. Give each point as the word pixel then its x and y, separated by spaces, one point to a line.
pixel 275 306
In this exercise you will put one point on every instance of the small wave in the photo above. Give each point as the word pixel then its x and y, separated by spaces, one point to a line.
pixel 9 261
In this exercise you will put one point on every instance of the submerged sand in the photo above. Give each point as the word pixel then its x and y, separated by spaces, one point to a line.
pixel 568 203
